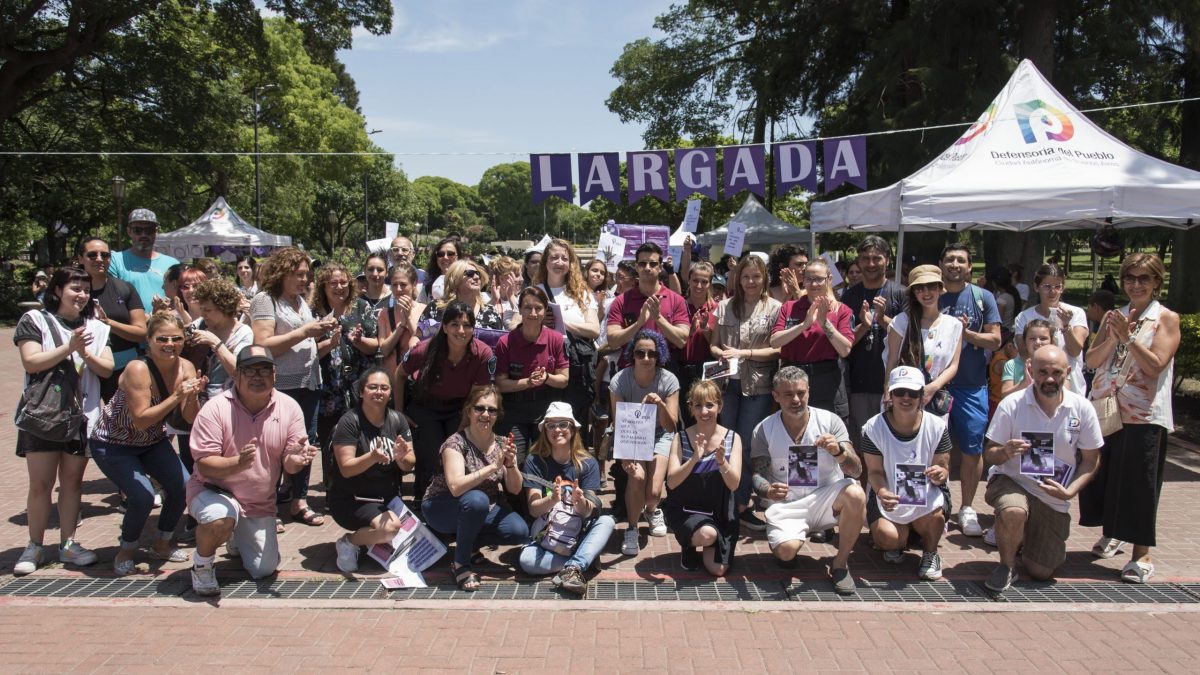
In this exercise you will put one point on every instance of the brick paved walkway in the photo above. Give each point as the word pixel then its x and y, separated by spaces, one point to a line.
pixel 308 552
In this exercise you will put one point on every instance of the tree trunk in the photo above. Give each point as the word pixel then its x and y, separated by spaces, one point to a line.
pixel 1184 287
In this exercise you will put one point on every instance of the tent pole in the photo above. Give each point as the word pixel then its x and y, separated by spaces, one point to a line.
pixel 812 243
pixel 1095 270
pixel 900 255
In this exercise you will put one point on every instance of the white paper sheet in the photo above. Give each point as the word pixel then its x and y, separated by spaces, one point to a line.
pixel 735 240
pixel 633 437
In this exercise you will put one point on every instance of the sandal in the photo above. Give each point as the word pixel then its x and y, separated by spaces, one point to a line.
pixel 308 517
pixel 1137 572
pixel 124 568
pixel 466 579
pixel 1107 547
pixel 279 526
pixel 177 555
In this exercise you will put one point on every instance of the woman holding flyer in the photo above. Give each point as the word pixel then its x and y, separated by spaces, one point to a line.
pixel 743 332
pixel 531 364
pixel 646 382
pixel 372 445
pixel 1069 321
pixel 465 499
pixel 703 470
pixel 907 453
pixel 563 499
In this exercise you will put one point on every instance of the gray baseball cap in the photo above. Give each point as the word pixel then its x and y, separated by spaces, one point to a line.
pixel 142 216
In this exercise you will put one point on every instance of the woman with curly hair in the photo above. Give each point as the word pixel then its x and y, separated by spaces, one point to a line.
pixel 283 322
pixel 647 381
pixel 787 267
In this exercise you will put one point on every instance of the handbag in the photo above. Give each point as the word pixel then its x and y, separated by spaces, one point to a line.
pixel 49 407
pixel 1108 411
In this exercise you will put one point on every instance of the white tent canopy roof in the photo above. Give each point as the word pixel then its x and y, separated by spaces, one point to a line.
pixel 219 226
pixel 762 228
pixel 1031 162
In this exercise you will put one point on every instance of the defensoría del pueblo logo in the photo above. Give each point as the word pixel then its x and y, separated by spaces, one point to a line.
pixel 1040 121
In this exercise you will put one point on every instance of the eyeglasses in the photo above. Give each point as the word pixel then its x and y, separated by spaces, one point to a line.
pixel 815 280
pixel 168 339
pixel 337 284
pixel 143 229
pixel 471 274
pixel 1138 279
pixel 485 410
pixel 645 354
pixel 648 264
pixel 1051 287
pixel 907 393
pixel 261 371
pixel 558 426
pixel 446 254
pixel 378 387
pixel 98 255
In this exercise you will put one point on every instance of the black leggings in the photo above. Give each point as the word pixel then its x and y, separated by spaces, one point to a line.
pixel 431 428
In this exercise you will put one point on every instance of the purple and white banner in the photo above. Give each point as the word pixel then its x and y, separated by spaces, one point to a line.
pixel 648 173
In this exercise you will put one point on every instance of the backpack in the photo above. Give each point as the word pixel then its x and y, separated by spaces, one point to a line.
pixel 562 528
pixel 49 407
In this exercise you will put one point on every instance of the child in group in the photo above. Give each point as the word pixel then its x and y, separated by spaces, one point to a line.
pixel 1000 358
pixel 1038 333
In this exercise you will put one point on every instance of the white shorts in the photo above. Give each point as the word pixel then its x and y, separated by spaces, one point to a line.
pixel 787 521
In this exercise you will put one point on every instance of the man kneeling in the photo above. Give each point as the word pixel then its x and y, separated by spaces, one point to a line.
pixel 907 452
pixel 1031 445
pixel 241 440
pixel 785 450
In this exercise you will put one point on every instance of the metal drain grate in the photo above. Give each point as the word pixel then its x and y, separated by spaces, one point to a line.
pixel 93 588
pixel 268 589
pixel 891 591
pixel 487 591
pixel 694 591
pixel 1098 593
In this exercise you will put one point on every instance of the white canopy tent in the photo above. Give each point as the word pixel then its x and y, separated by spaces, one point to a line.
pixel 1031 162
pixel 219 226
pixel 762 228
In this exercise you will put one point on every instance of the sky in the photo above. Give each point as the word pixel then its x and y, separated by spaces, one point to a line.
pixel 496 77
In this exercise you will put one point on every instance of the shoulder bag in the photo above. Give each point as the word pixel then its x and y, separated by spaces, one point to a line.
pixel 49 407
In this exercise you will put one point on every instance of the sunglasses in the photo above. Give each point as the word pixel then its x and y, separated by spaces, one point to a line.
pixel 558 426
pixel 139 229
pixel 645 354
pixel 261 371
pixel 471 274
pixel 168 339
pixel 446 254
pixel 98 255
pixel 907 393
pixel 485 410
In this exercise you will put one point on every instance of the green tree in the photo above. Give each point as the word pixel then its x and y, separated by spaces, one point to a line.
pixel 508 192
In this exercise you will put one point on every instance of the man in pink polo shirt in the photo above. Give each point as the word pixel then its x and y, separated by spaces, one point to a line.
pixel 241 440
pixel 649 305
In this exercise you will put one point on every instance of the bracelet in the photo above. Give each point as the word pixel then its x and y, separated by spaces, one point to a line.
pixel 841 451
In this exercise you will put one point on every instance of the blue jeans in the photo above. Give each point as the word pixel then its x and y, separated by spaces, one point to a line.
pixel 742 414
pixel 538 561
pixel 474 522
pixel 295 486
pixel 131 467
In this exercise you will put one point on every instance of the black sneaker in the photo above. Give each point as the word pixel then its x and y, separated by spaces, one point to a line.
pixel 1001 579
pixel 752 522
pixel 690 559
pixel 823 537
pixel 843 583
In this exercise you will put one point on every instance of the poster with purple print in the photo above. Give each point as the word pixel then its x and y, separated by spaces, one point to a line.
pixel 551 176
pixel 648 175
pixel 599 176
pixel 695 173
pixel 745 169
pixel 845 162
pixel 795 164
pixel 636 235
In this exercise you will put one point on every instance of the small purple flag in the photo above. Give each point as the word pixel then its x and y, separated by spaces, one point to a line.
pixel 599 176
pixel 795 164
pixel 551 177
pixel 845 162
pixel 745 169
pixel 648 175
pixel 695 172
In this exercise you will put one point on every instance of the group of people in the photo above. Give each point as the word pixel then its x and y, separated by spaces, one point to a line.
pixel 497 383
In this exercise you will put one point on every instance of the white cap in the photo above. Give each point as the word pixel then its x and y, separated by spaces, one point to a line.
pixel 906 377
pixel 559 410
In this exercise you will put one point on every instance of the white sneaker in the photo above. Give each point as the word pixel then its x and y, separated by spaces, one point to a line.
pixel 931 567
pixel 157 500
pixel 30 558
pixel 989 536
pixel 72 553
pixel 204 581
pixel 968 522
pixel 347 554
pixel 658 523
pixel 629 546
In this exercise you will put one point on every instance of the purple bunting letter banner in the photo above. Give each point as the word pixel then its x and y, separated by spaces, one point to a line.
pixel 745 169
pixel 845 162
pixel 795 164
pixel 551 176
pixel 695 172
pixel 599 176
pixel 648 175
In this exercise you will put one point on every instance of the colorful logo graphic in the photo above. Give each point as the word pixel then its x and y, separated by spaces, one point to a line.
pixel 1042 122
pixel 980 126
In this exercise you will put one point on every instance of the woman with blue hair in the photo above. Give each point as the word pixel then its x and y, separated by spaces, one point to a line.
pixel 647 381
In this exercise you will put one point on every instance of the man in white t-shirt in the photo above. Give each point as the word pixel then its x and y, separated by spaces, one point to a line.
pixel 907 452
pixel 804 501
pixel 1031 509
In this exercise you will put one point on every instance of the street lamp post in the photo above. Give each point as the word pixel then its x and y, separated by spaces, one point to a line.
pixel 118 193
pixel 257 174
pixel 332 219
pixel 366 197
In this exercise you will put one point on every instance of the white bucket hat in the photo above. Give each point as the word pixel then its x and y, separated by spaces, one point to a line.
pixel 559 410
